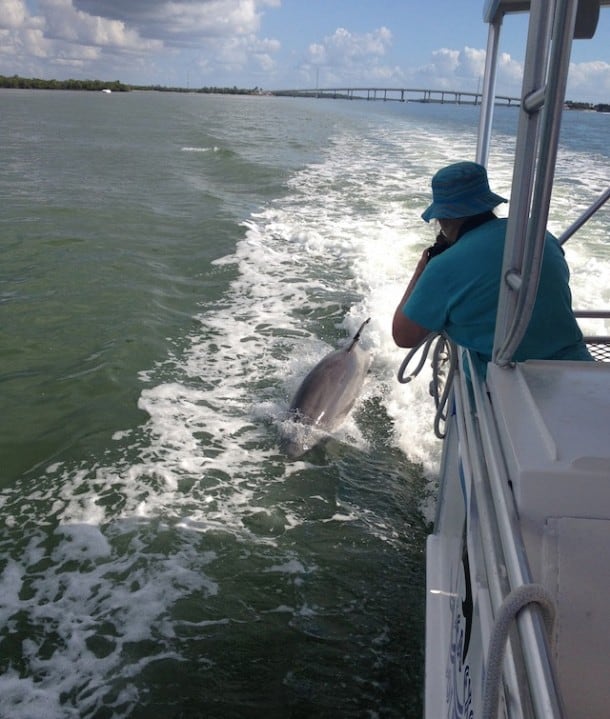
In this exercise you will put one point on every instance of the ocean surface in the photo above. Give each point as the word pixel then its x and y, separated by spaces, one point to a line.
pixel 172 266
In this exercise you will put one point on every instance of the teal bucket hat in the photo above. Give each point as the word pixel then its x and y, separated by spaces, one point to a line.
pixel 461 190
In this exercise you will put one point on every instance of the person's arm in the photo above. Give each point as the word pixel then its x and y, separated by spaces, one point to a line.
pixel 405 332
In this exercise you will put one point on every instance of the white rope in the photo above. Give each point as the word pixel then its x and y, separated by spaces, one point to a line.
pixel 517 600
pixel 444 352
pixel 426 343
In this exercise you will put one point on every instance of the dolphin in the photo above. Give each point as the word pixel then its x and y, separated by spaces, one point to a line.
pixel 327 394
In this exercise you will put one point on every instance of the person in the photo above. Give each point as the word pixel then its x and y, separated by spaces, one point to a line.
pixel 456 282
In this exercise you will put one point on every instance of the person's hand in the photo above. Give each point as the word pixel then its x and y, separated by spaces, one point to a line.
pixel 423 261
pixel 405 332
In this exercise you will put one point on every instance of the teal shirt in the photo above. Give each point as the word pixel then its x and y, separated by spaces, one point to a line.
pixel 458 293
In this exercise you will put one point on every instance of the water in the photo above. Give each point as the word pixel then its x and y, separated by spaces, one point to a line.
pixel 172 266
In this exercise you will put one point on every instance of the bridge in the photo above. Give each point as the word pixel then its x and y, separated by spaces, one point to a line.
pixel 399 94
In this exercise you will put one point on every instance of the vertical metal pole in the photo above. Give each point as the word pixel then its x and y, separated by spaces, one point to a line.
pixel 489 92
pixel 542 165
pixel 536 60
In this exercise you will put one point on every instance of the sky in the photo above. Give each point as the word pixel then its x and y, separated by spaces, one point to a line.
pixel 280 44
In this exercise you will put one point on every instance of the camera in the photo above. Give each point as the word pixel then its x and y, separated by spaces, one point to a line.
pixel 439 246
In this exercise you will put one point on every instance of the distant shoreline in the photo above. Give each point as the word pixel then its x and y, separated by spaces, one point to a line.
pixel 16 82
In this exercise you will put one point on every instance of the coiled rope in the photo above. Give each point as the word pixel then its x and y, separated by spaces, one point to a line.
pixel 514 602
pixel 444 363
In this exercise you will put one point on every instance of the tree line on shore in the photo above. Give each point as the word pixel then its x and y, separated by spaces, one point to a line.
pixel 601 107
pixel 34 83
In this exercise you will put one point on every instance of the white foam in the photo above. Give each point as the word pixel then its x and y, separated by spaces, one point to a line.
pixel 199 149
pixel 343 243
pixel 293 566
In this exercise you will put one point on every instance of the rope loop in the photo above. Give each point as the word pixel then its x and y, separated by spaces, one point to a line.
pixel 514 602
pixel 444 362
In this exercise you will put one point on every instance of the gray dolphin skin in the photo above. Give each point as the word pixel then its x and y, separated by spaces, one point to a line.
pixel 327 394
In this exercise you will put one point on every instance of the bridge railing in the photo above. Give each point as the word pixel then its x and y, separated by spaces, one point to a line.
pixel 398 94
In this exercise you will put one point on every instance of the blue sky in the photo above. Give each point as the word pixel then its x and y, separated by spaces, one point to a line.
pixel 279 44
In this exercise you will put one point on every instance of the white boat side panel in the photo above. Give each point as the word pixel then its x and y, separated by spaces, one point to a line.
pixel 554 425
pixel 577 572
pixel 456 636
pixel 558 449
pixel 440 553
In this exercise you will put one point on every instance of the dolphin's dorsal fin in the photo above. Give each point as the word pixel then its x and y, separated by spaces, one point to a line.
pixel 357 335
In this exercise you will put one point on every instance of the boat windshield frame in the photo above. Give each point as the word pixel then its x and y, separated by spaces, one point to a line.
pixel 553 24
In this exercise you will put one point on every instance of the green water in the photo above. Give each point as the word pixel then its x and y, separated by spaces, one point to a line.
pixel 172 266
pixel 137 582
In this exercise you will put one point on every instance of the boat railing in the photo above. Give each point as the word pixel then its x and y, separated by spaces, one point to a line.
pixel 489 540
pixel 598 344
pixel 508 573
pixel 552 27
pixel 585 217
pixel 546 63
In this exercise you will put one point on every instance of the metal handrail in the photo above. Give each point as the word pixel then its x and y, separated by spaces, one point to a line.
pixel 586 215
pixel 545 694
pixel 523 172
pixel 474 465
pixel 593 314
pixel 488 92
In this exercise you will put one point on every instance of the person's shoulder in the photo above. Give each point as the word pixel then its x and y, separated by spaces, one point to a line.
pixel 497 225
pixel 482 238
pixel 552 247
pixel 550 238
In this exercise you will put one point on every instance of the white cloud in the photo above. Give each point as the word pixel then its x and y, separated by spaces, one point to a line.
pixel 472 62
pixel 216 18
pixel 510 75
pixel 343 48
pixel 35 44
pixel 95 35
pixel 452 69
pixel 589 80
pixel 64 22
pixel 262 52
pixel 444 63
pixel 346 57
pixel 12 13
pixel 182 21
pixel 231 55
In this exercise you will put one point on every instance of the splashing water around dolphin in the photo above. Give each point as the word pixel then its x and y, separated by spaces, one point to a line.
pixel 326 395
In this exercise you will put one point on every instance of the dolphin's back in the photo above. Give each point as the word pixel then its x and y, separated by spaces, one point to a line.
pixel 326 395
pixel 329 391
